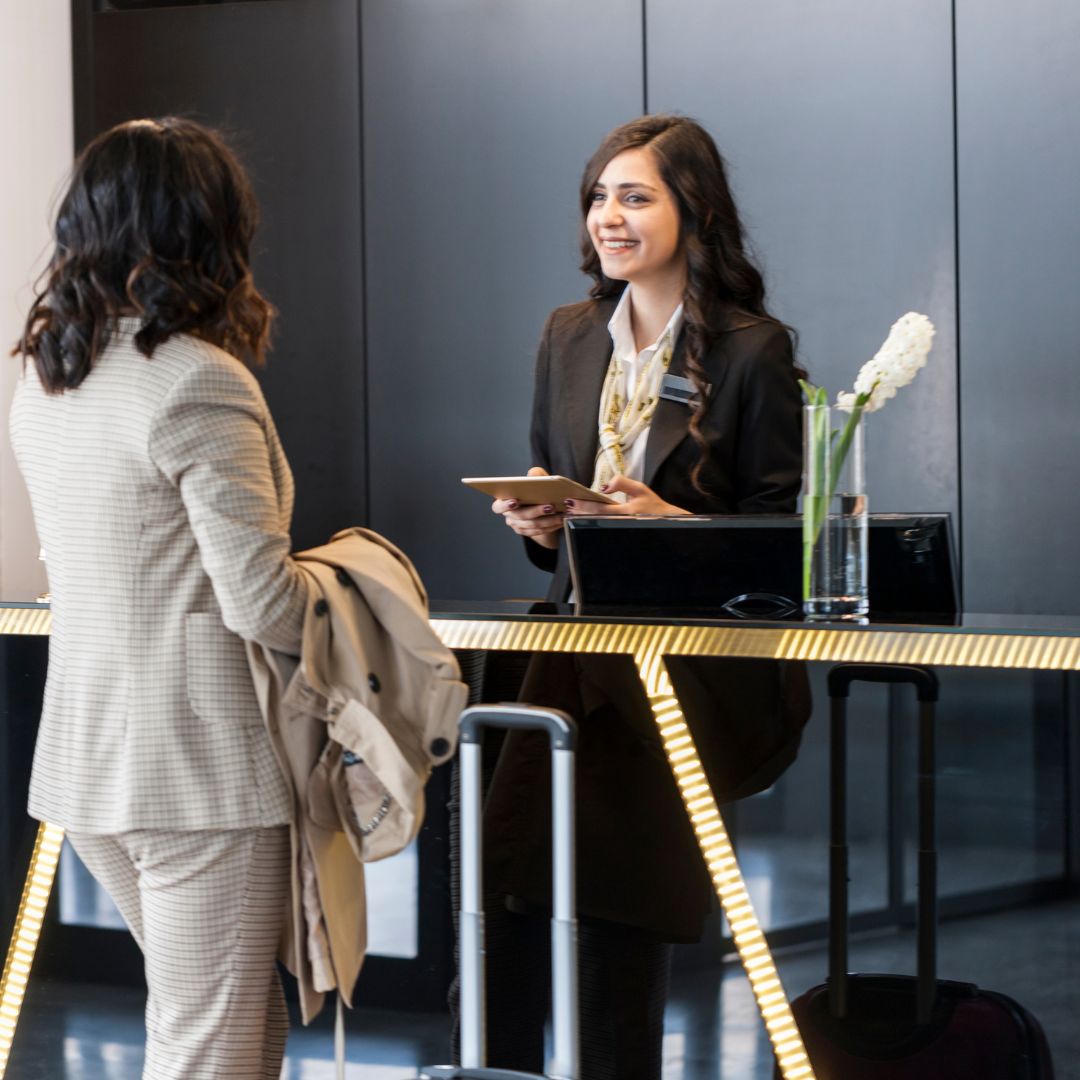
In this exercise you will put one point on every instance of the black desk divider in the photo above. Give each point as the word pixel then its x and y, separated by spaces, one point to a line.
pixel 750 566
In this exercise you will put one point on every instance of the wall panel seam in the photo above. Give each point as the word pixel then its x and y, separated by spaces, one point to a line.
pixel 644 57
pixel 956 310
pixel 362 196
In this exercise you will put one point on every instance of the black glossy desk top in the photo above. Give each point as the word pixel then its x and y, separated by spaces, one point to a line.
pixel 968 622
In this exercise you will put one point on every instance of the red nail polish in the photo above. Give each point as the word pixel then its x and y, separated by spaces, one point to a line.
pixel 548 510
pixel 603 489
pixel 512 504
pixel 569 502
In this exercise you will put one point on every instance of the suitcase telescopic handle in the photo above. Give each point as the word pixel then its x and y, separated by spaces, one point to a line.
pixel 923 679
pixel 561 732
pixel 926 686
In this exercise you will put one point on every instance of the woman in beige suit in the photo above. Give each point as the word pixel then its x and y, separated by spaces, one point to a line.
pixel 162 499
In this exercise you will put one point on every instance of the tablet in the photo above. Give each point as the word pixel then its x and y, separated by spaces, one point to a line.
pixel 534 490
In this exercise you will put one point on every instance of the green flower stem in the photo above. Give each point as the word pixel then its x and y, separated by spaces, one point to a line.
pixel 813 498
pixel 844 445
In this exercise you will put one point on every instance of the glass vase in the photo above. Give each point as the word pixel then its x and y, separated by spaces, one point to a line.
pixel 834 514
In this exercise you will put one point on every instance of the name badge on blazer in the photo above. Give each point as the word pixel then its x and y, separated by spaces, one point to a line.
pixel 679 389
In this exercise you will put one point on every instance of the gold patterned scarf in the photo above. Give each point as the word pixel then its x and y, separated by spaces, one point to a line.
pixel 623 419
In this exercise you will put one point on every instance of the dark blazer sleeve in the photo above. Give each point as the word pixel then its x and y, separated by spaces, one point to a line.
pixel 768 453
pixel 544 558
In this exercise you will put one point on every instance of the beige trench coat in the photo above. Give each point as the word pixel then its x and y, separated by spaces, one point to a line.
pixel 372 679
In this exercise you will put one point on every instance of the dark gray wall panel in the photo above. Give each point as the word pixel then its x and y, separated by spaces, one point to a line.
pixel 1018 102
pixel 283 78
pixel 836 117
pixel 478 118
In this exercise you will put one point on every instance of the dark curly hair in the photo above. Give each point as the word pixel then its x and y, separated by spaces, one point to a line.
pixel 723 287
pixel 157 222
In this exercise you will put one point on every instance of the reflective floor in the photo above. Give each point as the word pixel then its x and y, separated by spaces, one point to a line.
pixel 82 1032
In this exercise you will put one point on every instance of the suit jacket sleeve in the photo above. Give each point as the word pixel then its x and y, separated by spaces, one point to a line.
pixel 212 437
pixel 544 558
pixel 769 445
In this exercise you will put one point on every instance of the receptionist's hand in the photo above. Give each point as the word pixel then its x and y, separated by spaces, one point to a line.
pixel 542 524
pixel 641 500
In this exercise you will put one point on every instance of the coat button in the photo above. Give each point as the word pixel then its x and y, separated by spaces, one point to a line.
pixel 321 607
pixel 439 748
pixel 343 576
pixel 373 682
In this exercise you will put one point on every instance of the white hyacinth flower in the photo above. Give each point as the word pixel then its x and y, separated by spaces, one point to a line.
pixel 894 365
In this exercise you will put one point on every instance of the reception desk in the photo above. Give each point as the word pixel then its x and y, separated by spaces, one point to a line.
pixel 974 642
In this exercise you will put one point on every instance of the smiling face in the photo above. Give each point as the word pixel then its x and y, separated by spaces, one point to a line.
pixel 633 221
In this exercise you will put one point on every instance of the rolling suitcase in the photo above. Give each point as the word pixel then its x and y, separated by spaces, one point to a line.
pixel 892 1027
pixel 564 984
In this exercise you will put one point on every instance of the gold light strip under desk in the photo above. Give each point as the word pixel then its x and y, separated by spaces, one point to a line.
pixel 20 957
pixel 942 648
pixel 28 621
pixel 712 838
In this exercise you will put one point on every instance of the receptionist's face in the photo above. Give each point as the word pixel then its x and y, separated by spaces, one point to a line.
pixel 633 220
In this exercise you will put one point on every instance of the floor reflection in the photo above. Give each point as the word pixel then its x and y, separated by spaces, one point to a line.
pixel 85 1059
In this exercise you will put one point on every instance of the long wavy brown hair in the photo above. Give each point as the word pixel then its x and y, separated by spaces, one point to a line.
pixel 157 222
pixel 723 286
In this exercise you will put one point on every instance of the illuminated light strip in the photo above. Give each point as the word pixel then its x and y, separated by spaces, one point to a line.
pixel 941 648
pixel 25 621
pixel 28 923
pixel 708 824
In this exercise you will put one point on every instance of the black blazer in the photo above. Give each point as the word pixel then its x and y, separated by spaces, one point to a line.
pixel 752 425
pixel 637 857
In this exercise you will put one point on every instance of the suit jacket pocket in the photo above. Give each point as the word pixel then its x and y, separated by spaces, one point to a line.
pixel 219 685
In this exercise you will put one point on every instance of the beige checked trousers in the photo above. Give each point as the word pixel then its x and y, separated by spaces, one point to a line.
pixel 207 910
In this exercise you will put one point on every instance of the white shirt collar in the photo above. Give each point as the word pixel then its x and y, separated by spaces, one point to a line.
pixel 622 333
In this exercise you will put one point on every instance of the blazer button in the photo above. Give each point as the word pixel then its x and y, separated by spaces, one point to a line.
pixel 439 747
pixel 343 576
pixel 373 682
pixel 321 607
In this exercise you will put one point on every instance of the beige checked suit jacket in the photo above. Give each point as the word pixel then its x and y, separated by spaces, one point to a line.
pixel 162 499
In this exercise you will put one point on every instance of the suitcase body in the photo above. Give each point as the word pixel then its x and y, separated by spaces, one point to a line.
pixel 892 1027
pixel 972 1033
pixel 564 994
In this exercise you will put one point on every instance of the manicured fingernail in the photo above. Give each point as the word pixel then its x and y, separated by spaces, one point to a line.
pixel 603 488
pixel 569 502
pixel 548 509
pixel 512 504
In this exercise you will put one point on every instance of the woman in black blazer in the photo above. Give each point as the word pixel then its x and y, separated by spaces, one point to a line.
pixel 675 298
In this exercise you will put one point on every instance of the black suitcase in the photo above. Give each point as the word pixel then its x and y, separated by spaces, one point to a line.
pixel 564 983
pixel 891 1027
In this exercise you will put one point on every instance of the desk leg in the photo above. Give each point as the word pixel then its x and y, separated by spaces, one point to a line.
pixel 28 923
pixel 719 857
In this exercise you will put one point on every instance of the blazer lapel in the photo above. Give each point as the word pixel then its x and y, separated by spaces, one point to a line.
pixel 671 421
pixel 587 364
